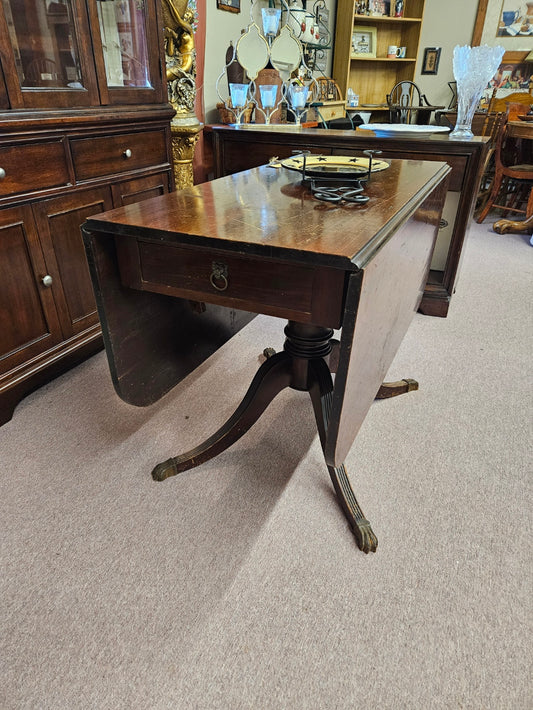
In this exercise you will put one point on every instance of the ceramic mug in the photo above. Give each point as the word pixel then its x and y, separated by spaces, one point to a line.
pixel 391 51
pixel 400 52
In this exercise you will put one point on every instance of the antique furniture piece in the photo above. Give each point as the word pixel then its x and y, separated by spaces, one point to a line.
pixel 371 77
pixel 236 149
pixel 261 242
pixel 406 102
pixel 515 174
pixel 84 127
pixel 523 130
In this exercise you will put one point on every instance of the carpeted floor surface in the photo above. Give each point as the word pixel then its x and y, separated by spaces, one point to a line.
pixel 238 584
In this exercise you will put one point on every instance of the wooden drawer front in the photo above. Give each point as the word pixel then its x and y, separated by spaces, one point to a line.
pixel 297 292
pixel 32 166
pixel 107 155
pixel 240 156
pixel 331 110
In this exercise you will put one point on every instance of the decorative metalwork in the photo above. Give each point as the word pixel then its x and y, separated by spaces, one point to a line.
pixel 275 36
pixel 335 178
pixel 219 276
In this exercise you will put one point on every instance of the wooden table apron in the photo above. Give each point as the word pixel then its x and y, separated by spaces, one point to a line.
pixel 373 260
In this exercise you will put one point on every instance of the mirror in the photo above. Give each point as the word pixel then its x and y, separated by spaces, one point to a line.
pixel 286 53
pixel 252 51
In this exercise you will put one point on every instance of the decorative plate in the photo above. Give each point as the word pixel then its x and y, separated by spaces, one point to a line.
pixel 330 165
pixel 402 130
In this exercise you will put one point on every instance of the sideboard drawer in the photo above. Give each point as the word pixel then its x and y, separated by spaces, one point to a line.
pixel 293 291
pixel 107 155
pixel 26 167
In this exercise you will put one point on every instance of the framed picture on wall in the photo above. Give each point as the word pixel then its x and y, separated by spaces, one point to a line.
pixel 364 40
pixel 229 5
pixel 430 65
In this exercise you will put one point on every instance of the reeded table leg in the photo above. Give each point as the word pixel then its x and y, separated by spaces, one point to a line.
pixel 272 377
pixel 321 392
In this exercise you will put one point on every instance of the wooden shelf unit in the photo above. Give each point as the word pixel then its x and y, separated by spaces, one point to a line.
pixel 372 78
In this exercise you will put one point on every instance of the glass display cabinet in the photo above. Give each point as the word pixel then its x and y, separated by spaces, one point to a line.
pixel 84 127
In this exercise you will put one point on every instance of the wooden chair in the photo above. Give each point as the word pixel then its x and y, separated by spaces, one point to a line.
pixel 513 176
pixel 405 101
pixel 519 98
pixel 42 72
pixel 491 129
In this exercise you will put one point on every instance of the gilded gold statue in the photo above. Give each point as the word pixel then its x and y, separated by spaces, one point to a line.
pixel 180 58
pixel 180 54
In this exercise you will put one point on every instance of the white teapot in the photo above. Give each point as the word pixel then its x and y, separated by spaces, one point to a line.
pixel 303 24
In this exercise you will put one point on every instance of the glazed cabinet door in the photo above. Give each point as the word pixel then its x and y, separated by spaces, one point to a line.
pixel 59 220
pixel 29 323
pixel 47 55
pixel 127 50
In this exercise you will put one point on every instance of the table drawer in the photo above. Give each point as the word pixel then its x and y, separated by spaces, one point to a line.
pixel 286 290
pixel 32 166
pixel 106 155
pixel 331 110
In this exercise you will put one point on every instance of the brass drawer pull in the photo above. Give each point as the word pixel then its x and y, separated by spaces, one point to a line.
pixel 219 274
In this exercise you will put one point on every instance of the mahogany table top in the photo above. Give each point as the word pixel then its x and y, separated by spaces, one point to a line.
pixel 266 212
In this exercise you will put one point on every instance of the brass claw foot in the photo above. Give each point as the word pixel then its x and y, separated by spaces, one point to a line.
pixel 165 470
pixel 393 389
pixel 364 535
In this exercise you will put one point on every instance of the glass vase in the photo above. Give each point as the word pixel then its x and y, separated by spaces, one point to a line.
pixel 473 68
pixel 466 107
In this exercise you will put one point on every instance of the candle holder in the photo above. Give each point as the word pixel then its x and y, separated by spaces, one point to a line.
pixel 239 94
pixel 298 94
pixel 271 19
pixel 269 94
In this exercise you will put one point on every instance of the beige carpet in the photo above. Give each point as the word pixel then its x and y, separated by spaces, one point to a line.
pixel 238 584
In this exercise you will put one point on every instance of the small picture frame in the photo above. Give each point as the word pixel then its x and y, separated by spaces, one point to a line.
pixel 379 8
pixel 364 41
pixel 430 64
pixel 229 5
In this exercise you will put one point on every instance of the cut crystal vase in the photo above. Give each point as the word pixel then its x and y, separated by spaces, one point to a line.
pixel 473 68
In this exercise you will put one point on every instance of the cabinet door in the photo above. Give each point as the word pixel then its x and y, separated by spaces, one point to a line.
pixel 59 220
pixel 29 323
pixel 47 54
pixel 127 51
pixel 130 191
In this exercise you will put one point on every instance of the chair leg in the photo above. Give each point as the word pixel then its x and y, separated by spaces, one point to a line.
pixel 492 197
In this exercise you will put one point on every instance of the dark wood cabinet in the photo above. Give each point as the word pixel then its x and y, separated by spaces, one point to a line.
pixel 85 127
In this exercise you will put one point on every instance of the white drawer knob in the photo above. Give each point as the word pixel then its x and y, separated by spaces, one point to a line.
pixel 127 153
pixel 2 173
pixel 47 281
